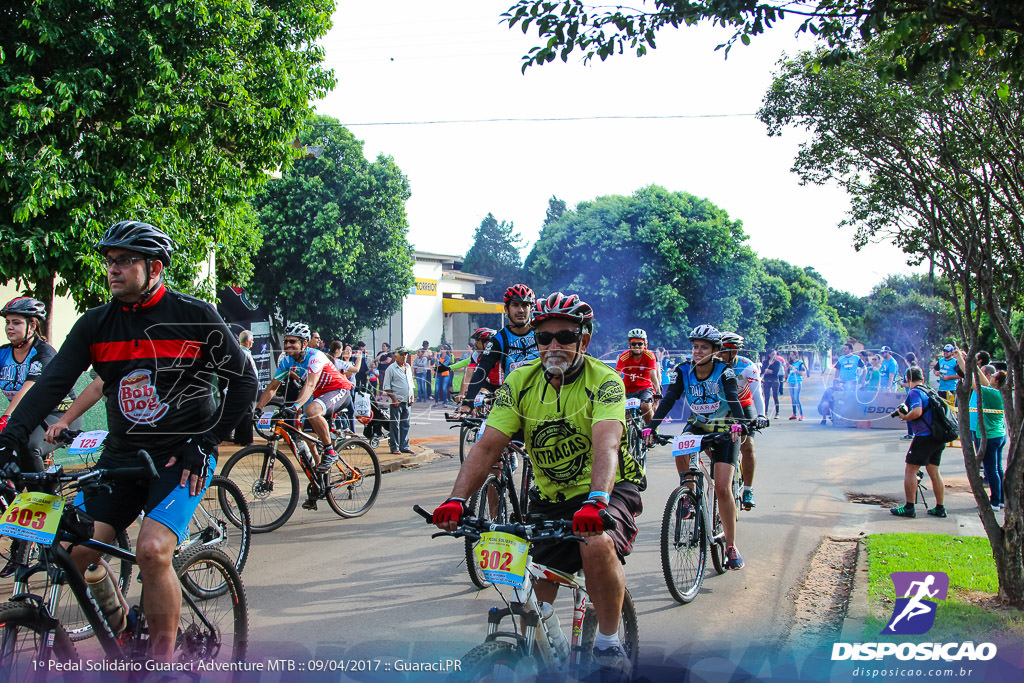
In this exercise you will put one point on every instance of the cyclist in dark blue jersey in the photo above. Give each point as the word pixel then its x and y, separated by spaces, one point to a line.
pixel 512 347
pixel 157 353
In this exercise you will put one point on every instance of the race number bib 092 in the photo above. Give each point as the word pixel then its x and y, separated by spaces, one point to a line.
pixel 686 444
pixel 502 558
pixel 33 517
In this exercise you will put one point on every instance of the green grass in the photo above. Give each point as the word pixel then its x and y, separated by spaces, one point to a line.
pixel 968 562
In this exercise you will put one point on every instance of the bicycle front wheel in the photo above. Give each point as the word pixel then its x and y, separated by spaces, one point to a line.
pixel 498 661
pixel 468 435
pixel 25 648
pixel 221 521
pixel 268 483
pixel 489 503
pixel 684 545
pixel 214 628
pixel 355 479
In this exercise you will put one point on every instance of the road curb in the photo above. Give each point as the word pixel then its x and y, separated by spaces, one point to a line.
pixel 390 463
pixel 857 608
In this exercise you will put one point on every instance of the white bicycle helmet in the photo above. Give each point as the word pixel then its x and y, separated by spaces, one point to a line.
pixel 637 333
pixel 300 330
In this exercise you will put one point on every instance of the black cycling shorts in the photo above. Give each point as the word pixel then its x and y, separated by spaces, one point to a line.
pixel 722 450
pixel 925 450
pixel 645 395
pixel 624 506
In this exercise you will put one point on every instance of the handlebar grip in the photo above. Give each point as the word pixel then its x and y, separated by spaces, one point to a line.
pixel 69 435
pixel 423 513
pixel 609 522
pixel 147 467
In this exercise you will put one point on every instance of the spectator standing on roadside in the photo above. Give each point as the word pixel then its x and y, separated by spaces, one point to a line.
pixel 925 450
pixel 771 378
pixel 947 370
pixel 443 363
pixel 848 367
pixel 889 371
pixel 397 384
pixel 431 366
pixel 420 370
pixel 383 360
pixel 363 373
pixel 797 372
pixel 243 430
pixel 316 341
pixel 995 431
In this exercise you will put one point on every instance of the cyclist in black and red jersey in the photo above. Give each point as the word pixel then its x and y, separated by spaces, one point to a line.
pixel 157 352
pixel 512 347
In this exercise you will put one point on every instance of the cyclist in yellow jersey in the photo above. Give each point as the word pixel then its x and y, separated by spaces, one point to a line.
pixel 571 410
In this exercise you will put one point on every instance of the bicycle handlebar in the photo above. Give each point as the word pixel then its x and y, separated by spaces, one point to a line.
pixel 537 529
pixel 55 475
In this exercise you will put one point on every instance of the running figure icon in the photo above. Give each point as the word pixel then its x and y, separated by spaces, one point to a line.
pixel 919 592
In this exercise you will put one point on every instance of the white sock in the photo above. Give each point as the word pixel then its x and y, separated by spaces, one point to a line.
pixel 603 642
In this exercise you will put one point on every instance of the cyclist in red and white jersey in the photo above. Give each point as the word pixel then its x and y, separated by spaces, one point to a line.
pixel 325 389
pixel 640 372
pixel 748 379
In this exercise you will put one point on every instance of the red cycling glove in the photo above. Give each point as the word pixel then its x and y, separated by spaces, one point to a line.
pixel 3 422
pixel 588 517
pixel 449 511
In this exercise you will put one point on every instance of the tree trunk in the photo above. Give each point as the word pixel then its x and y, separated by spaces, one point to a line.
pixel 43 291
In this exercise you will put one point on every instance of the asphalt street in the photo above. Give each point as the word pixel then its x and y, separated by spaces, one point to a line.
pixel 379 589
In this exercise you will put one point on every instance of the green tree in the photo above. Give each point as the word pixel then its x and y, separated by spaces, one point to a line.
pixel 495 253
pixel 806 318
pixel 938 174
pixel 167 112
pixel 335 253
pixel 850 308
pixel 660 260
pixel 910 34
pixel 910 313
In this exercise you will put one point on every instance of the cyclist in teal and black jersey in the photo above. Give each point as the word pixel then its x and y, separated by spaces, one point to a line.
pixel 513 346
pixel 709 388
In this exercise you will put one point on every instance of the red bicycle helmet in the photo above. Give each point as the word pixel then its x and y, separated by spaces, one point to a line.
pixel 731 341
pixel 566 306
pixel 519 293
pixel 481 334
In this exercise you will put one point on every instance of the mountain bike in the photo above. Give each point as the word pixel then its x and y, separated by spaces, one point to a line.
pixel 212 628
pixel 270 484
pixel 635 426
pixel 691 524
pixel 471 427
pixel 532 641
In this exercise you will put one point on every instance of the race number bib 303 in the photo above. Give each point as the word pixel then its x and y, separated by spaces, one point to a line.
pixel 686 444
pixel 33 517
pixel 632 403
pixel 87 442
pixel 502 558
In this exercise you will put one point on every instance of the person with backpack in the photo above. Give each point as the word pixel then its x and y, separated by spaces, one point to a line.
pixel 928 416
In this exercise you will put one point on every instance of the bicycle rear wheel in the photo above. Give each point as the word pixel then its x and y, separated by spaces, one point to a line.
pixel 23 644
pixel 684 545
pixel 355 479
pixel 214 628
pixel 489 503
pixel 717 538
pixel 269 484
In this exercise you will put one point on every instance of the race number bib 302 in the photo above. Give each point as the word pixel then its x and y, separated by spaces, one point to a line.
pixel 502 558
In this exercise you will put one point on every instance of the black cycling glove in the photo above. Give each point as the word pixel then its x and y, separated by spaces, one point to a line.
pixel 195 457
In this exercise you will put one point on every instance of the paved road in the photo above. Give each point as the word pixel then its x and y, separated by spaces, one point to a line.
pixel 378 587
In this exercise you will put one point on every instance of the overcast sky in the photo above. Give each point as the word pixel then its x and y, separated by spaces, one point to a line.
pixel 407 62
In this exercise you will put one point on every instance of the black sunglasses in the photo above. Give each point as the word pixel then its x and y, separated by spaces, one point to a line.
pixel 636 343
pixel 563 337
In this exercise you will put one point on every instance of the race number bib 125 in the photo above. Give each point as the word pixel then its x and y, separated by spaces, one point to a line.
pixel 87 442
pixel 502 558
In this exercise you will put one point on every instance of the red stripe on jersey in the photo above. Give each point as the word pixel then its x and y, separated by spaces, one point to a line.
pixel 105 352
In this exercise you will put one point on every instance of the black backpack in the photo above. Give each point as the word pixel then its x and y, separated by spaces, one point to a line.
pixel 944 426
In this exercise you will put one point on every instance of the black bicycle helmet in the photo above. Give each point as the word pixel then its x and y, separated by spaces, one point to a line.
pixel 26 306
pixel 566 306
pixel 140 237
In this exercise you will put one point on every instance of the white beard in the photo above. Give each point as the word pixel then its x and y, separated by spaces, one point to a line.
pixel 556 363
